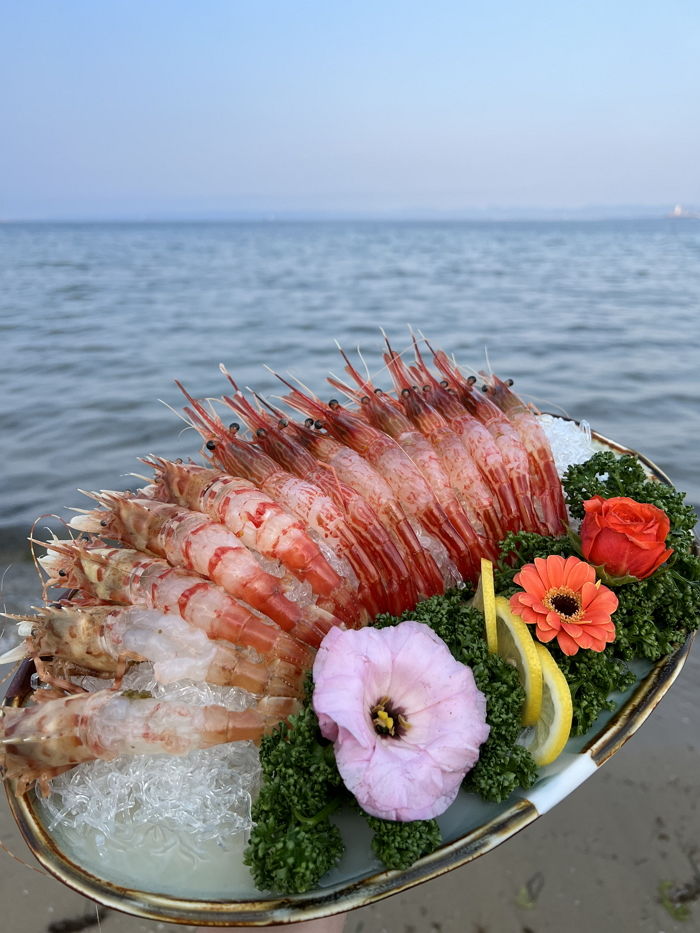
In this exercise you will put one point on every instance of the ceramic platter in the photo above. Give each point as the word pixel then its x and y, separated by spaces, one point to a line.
pixel 217 890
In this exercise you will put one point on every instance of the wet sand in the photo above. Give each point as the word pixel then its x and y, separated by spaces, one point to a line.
pixel 598 861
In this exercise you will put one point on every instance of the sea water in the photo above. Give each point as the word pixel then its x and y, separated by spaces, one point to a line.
pixel 598 320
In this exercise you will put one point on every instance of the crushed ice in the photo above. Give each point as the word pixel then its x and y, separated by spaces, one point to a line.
pixel 570 442
pixel 161 801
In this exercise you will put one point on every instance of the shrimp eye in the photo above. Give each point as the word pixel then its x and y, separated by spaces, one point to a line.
pixel 282 423
pixel 484 388
pixel 234 426
pixel 103 523
pixel 334 403
pixel 309 422
pixel 62 573
pixel 379 391
pixel 510 382
pixel 365 400
pixel 405 392
pixel 319 425
pixel 211 445
pixel 444 383
pixel 261 432
pixel 471 380
pixel 426 388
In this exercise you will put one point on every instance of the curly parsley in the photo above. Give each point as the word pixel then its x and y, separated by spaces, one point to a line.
pixel 502 765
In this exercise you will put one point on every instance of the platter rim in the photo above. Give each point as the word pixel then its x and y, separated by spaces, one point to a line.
pixel 275 909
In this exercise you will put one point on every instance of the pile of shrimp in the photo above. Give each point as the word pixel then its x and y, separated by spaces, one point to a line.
pixel 233 571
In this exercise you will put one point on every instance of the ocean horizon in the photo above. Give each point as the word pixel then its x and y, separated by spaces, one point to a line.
pixel 593 318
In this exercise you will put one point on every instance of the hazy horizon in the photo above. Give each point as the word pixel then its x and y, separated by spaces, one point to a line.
pixel 165 110
pixel 534 214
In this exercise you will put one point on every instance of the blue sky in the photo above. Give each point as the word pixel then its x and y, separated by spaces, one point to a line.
pixel 166 108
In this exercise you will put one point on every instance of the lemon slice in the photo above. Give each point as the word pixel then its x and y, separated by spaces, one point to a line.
pixel 553 726
pixel 517 647
pixel 485 600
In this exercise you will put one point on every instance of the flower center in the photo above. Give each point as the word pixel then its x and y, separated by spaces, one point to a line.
pixel 565 602
pixel 387 719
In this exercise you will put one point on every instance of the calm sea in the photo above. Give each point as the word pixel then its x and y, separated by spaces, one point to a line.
pixel 599 320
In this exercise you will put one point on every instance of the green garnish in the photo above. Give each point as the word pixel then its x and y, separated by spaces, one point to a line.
pixel 502 765
pixel 294 841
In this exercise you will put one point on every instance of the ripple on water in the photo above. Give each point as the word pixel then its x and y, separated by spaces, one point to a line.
pixel 98 320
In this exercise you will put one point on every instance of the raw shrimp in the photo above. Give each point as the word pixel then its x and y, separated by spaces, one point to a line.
pixel 389 459
pixel 354 470
pixel 129 577
pixel 363 520
pixel 191 540
pixel 102 639
pixel 477 498
pixel 260 523
pixel 536 444
pixel 503 472
pixel 390 418
pixel 42 741
pixel 304 499
pixel 503 431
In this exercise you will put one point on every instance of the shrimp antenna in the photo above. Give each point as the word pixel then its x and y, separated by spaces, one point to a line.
pixel 33 541
pixel 201 419
pixel 177 413
pixel 225 372
pixel 390 349
pixel 146 479
pixel 309 391
pixel 351 371
pixel 277 412
pixel 343 387
pixel 364 363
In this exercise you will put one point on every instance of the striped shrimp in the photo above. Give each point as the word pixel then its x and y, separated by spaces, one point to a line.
pixel 390 418
pixel 536 444
pixel 126 576
pixel 260 523
pixel 353 469
pixel 503 431
pixel 475 493
pixel 393 463
pixel 39 742
pixel 363 520
pixel 503 474
pixel 319 513
pixel 103 639
pixel 191 540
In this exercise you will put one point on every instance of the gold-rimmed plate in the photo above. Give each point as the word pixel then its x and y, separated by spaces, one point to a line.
pixel 218 892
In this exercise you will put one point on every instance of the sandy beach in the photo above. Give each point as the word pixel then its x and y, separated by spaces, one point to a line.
pixel 600 860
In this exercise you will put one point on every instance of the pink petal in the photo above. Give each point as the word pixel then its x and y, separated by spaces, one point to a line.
pixel 416 775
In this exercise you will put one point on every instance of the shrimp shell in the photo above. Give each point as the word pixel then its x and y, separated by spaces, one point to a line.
pixel 305 500
pixel 126 576
pixel 42 741
pixel 104 638
pixel 191 540
pixel 260 522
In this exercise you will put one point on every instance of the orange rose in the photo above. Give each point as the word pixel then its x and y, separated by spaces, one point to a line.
pixel 625 537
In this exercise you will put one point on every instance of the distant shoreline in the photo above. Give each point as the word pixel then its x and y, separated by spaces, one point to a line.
pixel 337 218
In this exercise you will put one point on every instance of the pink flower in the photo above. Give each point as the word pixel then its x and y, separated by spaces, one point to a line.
pixel 405 717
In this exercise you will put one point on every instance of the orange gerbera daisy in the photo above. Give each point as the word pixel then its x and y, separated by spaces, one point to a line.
pixel 564 600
